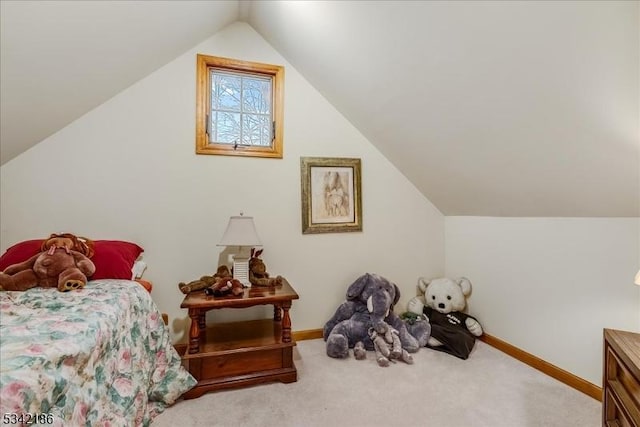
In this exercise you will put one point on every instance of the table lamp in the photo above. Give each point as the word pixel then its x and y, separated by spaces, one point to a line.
pixel 241 232
pixel 637 280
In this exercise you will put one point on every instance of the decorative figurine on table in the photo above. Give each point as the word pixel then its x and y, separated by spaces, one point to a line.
pixel 258 275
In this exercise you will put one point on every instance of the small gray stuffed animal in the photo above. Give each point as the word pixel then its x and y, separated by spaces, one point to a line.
pixel 369 304
pixel 388 347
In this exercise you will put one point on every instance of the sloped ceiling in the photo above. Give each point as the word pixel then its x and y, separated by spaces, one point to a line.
pixel 60 59
pixel 489 108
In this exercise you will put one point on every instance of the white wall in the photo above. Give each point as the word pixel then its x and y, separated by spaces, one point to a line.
pixel 550 285
pixel 128 170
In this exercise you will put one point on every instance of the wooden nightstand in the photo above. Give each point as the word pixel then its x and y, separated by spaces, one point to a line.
pixel 237 354
pixel 621 379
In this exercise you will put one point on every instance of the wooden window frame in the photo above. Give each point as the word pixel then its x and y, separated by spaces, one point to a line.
pixel 203 103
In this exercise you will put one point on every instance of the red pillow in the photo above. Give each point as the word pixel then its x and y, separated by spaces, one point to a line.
pixel 19 252
pixel 113 258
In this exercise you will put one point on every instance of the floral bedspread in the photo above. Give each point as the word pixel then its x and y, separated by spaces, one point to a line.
pixel 100 356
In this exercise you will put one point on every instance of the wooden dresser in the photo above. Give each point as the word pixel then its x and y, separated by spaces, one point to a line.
pixel 621 379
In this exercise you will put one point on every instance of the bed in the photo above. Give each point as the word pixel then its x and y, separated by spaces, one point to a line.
pixel 100 356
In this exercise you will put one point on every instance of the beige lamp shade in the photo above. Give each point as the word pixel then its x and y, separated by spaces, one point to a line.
pixel 637 280
pixel 241 231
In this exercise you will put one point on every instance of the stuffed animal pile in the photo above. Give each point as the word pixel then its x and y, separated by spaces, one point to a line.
pixel 369 308
pixel 221 283
pixel 63 263
pixel 452 331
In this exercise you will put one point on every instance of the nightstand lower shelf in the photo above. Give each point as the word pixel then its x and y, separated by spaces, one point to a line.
pixel 240 354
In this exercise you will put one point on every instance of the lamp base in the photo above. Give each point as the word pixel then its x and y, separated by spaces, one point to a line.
pixel 241 270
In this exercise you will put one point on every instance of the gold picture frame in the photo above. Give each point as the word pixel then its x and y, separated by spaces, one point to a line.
pixel 331 194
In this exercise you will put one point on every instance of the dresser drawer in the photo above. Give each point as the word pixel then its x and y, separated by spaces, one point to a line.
pixel 615 416
pixel 621 382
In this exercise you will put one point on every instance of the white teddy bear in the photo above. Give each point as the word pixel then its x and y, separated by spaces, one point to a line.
pixel 452 331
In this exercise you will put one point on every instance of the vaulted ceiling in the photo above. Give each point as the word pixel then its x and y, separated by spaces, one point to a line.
pixel 489 108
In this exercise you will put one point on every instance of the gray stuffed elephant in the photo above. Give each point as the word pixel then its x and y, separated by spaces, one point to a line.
pixel 369 304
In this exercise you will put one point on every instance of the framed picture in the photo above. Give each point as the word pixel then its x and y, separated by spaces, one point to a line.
pixel 331 195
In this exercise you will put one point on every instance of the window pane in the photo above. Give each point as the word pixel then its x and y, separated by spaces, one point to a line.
pixel 256 129
pixel 237 103
pixel 225 92
pixel 227 128
pixel 256 96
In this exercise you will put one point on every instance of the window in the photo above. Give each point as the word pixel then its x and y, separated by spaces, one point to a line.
pixel 239 107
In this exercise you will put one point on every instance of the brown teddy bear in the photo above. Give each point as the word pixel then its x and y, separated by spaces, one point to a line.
pixel 204 281
pixel 224 286
pixel 63 263
pixel 258 275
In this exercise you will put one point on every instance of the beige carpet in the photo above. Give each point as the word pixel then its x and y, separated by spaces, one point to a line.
pixel 489 389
